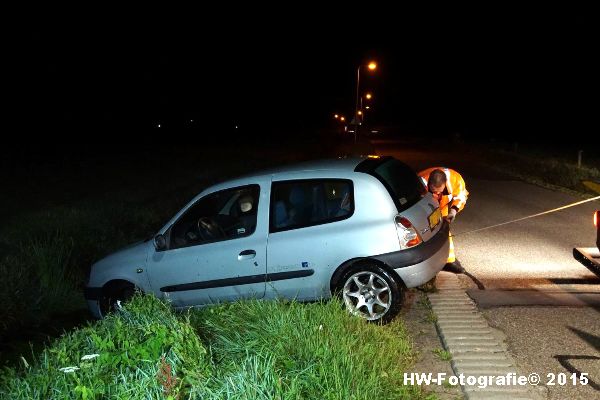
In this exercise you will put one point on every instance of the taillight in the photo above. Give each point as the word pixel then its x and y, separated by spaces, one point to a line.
pixel 407 234
pixel 596 218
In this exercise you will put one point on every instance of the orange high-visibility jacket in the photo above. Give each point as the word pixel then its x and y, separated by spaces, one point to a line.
pixel 455 195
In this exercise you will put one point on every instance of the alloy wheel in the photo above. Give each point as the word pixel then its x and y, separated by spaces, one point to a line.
pixel 367 295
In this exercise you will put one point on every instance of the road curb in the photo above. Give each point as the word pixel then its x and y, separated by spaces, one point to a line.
pixel 477 349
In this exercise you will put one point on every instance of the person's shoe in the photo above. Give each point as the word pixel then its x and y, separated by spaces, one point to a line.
pixel 454 267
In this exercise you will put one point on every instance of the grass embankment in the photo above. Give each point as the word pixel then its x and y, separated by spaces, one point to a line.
pixel 48 244
pixel 43 271
pixel 244 350
pixel 552 168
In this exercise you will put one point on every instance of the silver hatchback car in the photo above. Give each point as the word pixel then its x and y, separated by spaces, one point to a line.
pixel 362 228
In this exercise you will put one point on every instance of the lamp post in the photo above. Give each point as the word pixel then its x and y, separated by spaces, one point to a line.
pixel 371 66
pixel 361 110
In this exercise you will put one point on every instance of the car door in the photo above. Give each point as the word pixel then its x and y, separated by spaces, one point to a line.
pixel 306 238
pixel 217 249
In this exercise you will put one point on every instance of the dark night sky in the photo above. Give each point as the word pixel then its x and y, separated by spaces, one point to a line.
pixel 496 72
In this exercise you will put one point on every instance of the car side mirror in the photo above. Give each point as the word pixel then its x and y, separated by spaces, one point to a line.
pixel 160 242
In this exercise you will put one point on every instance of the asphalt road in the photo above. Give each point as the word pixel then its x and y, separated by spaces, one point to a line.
pixel 523 275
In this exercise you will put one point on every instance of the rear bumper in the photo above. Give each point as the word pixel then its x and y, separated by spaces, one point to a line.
pixel 589 257
pixel 421 273
pixel 419 265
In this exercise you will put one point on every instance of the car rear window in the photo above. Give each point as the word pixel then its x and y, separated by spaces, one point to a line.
pixel 402 183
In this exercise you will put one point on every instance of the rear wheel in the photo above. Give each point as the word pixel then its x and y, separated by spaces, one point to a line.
pixel 370 292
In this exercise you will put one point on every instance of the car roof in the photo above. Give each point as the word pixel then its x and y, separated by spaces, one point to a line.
pixel 347 164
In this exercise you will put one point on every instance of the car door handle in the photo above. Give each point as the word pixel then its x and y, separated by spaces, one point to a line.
pixel 246 255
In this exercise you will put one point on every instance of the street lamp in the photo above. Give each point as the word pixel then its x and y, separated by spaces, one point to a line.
pixel 372 65
pixel 367 96
pixel 341 120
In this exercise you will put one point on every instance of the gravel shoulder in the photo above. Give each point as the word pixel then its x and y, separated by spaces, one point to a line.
pixel 420 323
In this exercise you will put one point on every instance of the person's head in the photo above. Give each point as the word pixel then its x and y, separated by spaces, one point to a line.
pixel 245 203
pixel 437 182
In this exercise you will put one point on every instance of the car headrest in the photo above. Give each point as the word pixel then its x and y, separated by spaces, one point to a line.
pixel 297 196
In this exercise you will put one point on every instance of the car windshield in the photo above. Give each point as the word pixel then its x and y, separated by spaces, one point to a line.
pixel 402 183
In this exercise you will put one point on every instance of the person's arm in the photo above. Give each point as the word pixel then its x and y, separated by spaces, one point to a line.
pixel 459 193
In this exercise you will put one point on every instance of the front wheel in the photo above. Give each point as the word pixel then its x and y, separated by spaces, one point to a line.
pixel 114 295
pixel 370 292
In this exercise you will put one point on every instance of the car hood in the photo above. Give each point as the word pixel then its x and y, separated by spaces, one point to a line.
pixel 115 264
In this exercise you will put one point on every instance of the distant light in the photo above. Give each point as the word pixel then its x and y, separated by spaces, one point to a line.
pixel 359 112
pixel 336 116
pixel 367 107
pixel 368 96
pixel 236 127
pixel 372 156
pixel 159 125
pixel 191 120
pixel 342 118
pixel 372 65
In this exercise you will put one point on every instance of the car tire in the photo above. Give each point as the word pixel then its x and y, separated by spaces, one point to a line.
pixel 119 292
pixel 370 291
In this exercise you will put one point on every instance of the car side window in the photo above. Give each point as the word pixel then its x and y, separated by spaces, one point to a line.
pixel 223 215
pixel 301 203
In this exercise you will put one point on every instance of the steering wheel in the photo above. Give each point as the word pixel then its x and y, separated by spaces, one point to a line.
pixel 209 230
